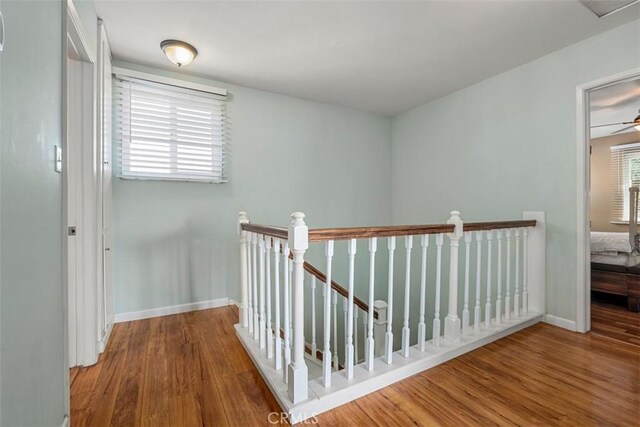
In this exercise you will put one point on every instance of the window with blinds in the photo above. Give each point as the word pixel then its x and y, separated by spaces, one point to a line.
pixel 165 132
pixel 625 172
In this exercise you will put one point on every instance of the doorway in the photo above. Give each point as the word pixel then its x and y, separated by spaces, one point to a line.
pixel 591 98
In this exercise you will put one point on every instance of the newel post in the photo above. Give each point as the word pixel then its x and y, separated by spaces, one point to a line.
pixel 244 284
pixel 452 321
pixel 379 326
pixel 298 242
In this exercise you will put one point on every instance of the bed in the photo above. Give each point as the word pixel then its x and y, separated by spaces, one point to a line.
pixel 615 259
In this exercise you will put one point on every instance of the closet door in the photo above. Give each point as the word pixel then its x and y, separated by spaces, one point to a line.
pixel 105 123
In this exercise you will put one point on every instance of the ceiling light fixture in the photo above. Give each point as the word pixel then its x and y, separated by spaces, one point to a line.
pixel 178 52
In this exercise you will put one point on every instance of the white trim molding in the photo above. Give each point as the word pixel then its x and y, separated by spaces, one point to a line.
pixel 119 71
pixel 560 322
pixel 583 135
pixel 171 309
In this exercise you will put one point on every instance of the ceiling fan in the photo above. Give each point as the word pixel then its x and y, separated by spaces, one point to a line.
pixel 634 124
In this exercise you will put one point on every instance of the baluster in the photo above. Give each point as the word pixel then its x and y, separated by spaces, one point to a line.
pixel 334 302
pixel 388 338
pixel 516 296
pixel 436 318
pixel 349 349
pixel 487 306
pixel 254 270
pixel 499 298
pixel 242 219
pixel 268 284
pixel 314 348
pixel 370 346
pixel 290 300
pixel 422 329
pixel 263 323
pixel 406 333
pixel 365 316
pixel 465 309
pixel 507 299
pixel 452 321
pixel 525 271
pixel 355 335
pixel 477 310
pixel 287 312
pixel 345 314
pixel 298 372
pixel 326 357
pixel 250 282
pixel 276 275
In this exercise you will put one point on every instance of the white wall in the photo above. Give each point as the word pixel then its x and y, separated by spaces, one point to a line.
pixel 176 242
pixel 508 144
pixel 32 361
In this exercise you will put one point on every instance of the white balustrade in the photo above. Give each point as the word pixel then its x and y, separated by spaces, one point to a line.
pixel 388 338
pixel 273 300
pixel 435 339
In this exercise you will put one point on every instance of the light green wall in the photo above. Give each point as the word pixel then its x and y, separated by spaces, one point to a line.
pixel 32 361
pixel 176 242
pixel 506 145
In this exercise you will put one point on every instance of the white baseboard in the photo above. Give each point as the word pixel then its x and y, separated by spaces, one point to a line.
pixel 234 302
pixel 102 344
pixel 560 322
pixel 65 421
pixel 172 309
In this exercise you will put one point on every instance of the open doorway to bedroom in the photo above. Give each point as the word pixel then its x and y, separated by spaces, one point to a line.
pixel 614 181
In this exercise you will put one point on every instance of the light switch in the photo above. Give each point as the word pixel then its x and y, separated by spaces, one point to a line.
pixel 58 156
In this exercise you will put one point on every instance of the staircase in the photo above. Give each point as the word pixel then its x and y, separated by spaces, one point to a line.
pixel 354 347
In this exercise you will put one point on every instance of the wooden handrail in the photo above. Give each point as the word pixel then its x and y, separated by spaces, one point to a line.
pixel 498 225
pixel 323 234
pixel 268 230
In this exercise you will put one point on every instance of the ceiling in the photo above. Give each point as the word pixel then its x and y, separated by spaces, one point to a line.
pixel 385 57
pixel 614 104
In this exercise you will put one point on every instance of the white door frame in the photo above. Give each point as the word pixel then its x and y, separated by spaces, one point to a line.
pixel 583 288
pixel 79 171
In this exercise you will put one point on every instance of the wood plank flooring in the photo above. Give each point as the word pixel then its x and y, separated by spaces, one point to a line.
pixel 190 370
pixel 611 318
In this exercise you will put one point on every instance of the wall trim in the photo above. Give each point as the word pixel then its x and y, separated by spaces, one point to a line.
pixel 65 421
pixel 102 344
pixel 560 322
pixel 171 309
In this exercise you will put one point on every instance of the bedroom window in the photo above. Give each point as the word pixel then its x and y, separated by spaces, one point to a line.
pixel 167 132
pixel 625 172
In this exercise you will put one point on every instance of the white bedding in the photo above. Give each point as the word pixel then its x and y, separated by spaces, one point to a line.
pixel 608 243
pixel 625 260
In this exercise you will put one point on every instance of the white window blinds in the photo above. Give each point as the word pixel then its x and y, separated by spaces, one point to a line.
pixel 625 172
pixel 169 133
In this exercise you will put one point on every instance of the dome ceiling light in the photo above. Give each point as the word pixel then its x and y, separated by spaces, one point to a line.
pixel 179 52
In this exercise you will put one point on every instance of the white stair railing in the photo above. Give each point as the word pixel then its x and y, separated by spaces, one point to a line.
pixel 275 288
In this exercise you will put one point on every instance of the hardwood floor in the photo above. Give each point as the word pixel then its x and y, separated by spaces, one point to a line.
pixel 611 318
pixel 190 370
